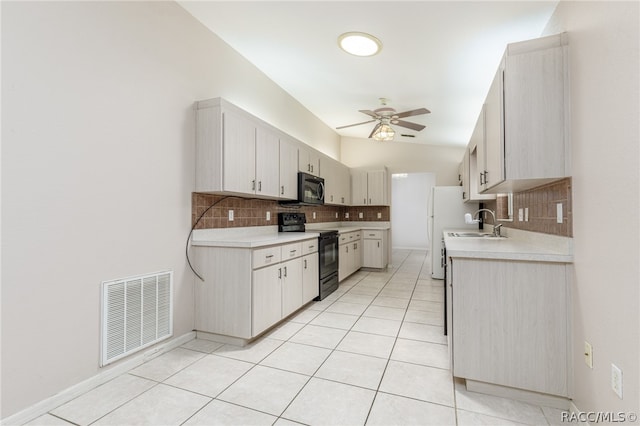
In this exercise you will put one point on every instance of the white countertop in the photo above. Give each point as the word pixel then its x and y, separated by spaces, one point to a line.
pixel 247 237
pixel 519 245
pixel 262 236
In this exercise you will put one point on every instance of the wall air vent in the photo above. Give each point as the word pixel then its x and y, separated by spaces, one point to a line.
pixel 136 313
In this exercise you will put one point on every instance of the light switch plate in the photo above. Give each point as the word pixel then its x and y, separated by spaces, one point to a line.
pixel 526 214
pixel 360 215
pixel 230 215
pixel 379 215
pixel 268 216
pixel 314 215
pixel 520 215
pixel 559 212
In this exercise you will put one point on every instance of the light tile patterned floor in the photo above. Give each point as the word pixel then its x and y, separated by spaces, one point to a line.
pixel 372 353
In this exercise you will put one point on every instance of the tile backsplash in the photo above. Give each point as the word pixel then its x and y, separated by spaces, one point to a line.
pixel 542 204
pixel 253 212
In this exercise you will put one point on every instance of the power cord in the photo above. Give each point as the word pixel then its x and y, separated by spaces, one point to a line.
pixel 198 221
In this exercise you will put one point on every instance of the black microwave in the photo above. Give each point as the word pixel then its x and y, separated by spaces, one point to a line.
pixel 310 189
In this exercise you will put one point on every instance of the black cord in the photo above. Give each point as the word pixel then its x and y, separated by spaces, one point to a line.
pixel 198 221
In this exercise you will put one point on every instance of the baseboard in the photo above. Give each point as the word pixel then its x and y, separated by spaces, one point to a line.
pixel 519 394
pixel 43 407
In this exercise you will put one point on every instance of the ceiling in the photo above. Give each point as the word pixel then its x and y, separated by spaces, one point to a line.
pixel 441 55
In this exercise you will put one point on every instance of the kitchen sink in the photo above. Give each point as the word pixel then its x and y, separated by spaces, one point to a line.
pixel 473 235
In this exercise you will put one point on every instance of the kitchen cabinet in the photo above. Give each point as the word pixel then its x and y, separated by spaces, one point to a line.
pixel 247 291
pixel 235 152
pixel 527 141
pixel 309 160
pixel 375 249
pixel 350 253
pixel 369 187
pixel 470 172
pixel 508 323
pixel 288 168
pixel 337 182
pixel 310 277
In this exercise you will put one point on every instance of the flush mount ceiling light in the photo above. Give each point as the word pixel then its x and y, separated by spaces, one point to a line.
pixel 359 44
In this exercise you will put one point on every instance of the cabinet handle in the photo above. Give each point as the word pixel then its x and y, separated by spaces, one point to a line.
pixel 355 246
pixel 312 168
pixel 372 235
pixel 305 264
pixel 332 198
pixel 481 176
pixel 285 272
pixel 282 190
pixel 253 185
pixel 269 256
pixel 369 200
pixel 378 244
pixel 259 185
pixel 347 248
pixel 279 272
pixel 310 247
pixel 292 251
pixel 364 201
pixel 342 200
pixel 485 178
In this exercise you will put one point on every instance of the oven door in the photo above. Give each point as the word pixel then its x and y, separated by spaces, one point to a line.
pixel 328 249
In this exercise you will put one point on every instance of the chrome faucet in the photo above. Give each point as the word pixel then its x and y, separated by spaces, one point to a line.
pixel 472 219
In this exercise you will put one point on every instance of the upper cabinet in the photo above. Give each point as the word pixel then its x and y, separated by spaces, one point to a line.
pixel 288 168
pixel 470 175
pixel 526 118
pixel 309 161
pixel 337 182
pixel 369 187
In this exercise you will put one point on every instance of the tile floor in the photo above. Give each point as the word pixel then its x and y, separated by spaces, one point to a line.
pixel 372 353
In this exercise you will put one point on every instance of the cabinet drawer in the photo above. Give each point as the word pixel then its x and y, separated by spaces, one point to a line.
pixel 290 251
pixel 266 256
pixel 309 246
pixel 372 234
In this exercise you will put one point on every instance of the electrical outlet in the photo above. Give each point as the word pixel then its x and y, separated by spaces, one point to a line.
pixel 346 215
pixel 379 215
pixel 616 380
pixel 559 212
pixel 520 215
pixel 314 215
pixel 230 215
pixel 268 216
pixel 360 216
pixel 336 215
pixel 588 354
pixel 526 214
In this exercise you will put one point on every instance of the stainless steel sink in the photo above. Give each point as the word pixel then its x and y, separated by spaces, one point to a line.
pixel 474 235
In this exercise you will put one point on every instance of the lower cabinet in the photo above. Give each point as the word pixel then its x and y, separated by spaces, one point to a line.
pixel 247 291
pixel 350 254
pixel 375 249
pixel 508 323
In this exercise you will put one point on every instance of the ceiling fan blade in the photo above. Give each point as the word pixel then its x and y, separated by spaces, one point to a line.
pixel 356 124
pixel 411 113
pixel 368 112
pixel 408 125
pixel 374 130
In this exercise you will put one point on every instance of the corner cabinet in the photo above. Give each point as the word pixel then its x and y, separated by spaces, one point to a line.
pixel 350 253
pixel 370 187
pixel 508 323
pixel 526 118
pixel 247 291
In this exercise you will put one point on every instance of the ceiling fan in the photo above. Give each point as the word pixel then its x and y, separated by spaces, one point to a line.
pixel 386 116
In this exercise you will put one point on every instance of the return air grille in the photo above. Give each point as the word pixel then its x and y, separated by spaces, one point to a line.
pixel 136 312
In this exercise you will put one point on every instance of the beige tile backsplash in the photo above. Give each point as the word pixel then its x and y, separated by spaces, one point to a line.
pixel 253 212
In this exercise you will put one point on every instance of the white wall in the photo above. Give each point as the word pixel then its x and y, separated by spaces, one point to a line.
pixel 604 61
pixel 410 210
pixel 402 157
pixel 98 169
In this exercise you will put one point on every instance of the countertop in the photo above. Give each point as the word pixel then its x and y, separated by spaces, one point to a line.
pixel 519 245
pixel 263 236
pixel 247 237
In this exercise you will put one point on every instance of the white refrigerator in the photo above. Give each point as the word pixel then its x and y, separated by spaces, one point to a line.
pixel 447 212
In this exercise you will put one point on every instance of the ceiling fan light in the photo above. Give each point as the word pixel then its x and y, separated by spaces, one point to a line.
pixel 384 133
pixel 359 44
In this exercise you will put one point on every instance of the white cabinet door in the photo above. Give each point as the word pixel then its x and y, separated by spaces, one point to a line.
pixel 359 195
pixel 239 137
pixel 288 169
pixel 331 181
pixel 266 298
pixel 357 254
pixel 344 261
pixel 291 285
pixel 267 162
pixel 310 277
pixel 373 254
pixel 309 161
pixel 377 188
pixel 344 191
pixel 491 157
